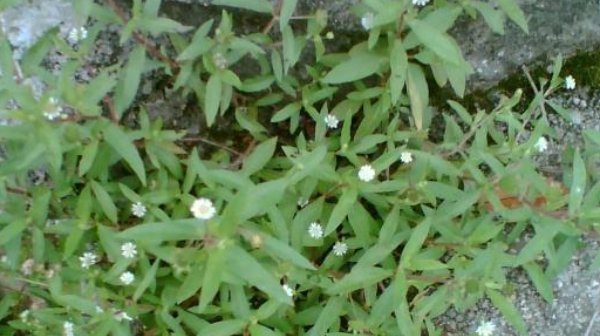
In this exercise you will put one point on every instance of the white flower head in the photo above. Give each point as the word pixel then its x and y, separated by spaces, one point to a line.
pixel 99 310
pixel 486 328
pixel 332 121
pixel 121 315
pixel 315 230
pixel 138 209
pixel 27 266
pixel 128 250
pixel 53 110
pixel 570 82
pixel 329 35
pixel 203 208
pixel 541 145
pixel 288 290
pixel 68 328
pixel 88 259
pixel 406 157
pixel 77 34
pixel 24 315
pixel 367 20
pixel 340 248
pixel 219 60
pixel 366 173
pixel 420 2
pixel 127 278
pixel 302 202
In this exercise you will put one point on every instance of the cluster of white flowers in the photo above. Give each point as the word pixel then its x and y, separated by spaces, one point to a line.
pixel 541 145
pixel 203 208
pixel 53 110
pixel 128 250
pixel 486 329
pixel 332 121
pixel 68 328
pixel 315 230
pixel 138 209
pixel 367 20
pixel 420 2
pixel 288 290
pixel 366 173
pixel 302 202
pixel 406 157
pixel 329 35
pixel 570 82
pixel 122 316
pixel 88 259
pixel 27 266
pixel 77 34
pixel 220 61
pixel 127 278
pixel 340 248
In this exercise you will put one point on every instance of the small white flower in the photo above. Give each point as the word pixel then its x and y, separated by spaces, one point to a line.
pixel 367 20
pixel 24 315
pixel 541 145
pixel 302 202
pixel 27 266
pixel 315 230
pixel 340 248
pixel 220 60
pixel 52 109
pixel 4 259
pixel 420 2
pixel 88 259
pixel 329 35
pixel 77 34
pixel 138 209
pixel 331 121
pixel 99 310
pixel 486 329
pixel 121 315
pixel 406 157
pixel 68 328
pixel 128 250
pixel 127 278
pixel 288 290
pixel 203 208
pixel 570 82
pixel 366 173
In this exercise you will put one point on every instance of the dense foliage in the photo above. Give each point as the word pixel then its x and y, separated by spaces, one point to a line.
pixel 331 208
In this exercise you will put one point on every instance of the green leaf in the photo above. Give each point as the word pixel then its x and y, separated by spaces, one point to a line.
pixel 577 185
pixel 259 157
pixel 358 66
pixel 287 112
pixel 129 82
pixel 399 66
pixel 283 251
pixel 328 316
pixel 418 92
pixel 261 6
pixel 417 237
pixel 515 13
pixel 182 229
pixel 106 202
pixel 246 267
pixel 440 43
pixel 287 10
pixel 214 89
pixel 148 279
pixel 11 231
pixel 224 328
pixel 341 209
pixel 192 283
pixel 359 277
pixel 87 157
pixel 123 145
pixel 509 311
pixel 492 17
pixel 540 280
pixel 213 274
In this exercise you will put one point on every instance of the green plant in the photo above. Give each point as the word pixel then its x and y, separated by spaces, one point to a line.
pixel 354 220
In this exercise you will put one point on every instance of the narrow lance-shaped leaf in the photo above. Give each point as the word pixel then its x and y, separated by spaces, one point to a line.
pixel 212 98
pixel 417 237
pixel 123 145
pixel 130 80
pixel 328 316
pixel 262 6
pixel 515 13
pixel 418 93
pixel 358 66
pixel 341 209
pixel 259 157
pixel 106 202
pixel 578 184
pixel 212 276
pixel 440 43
